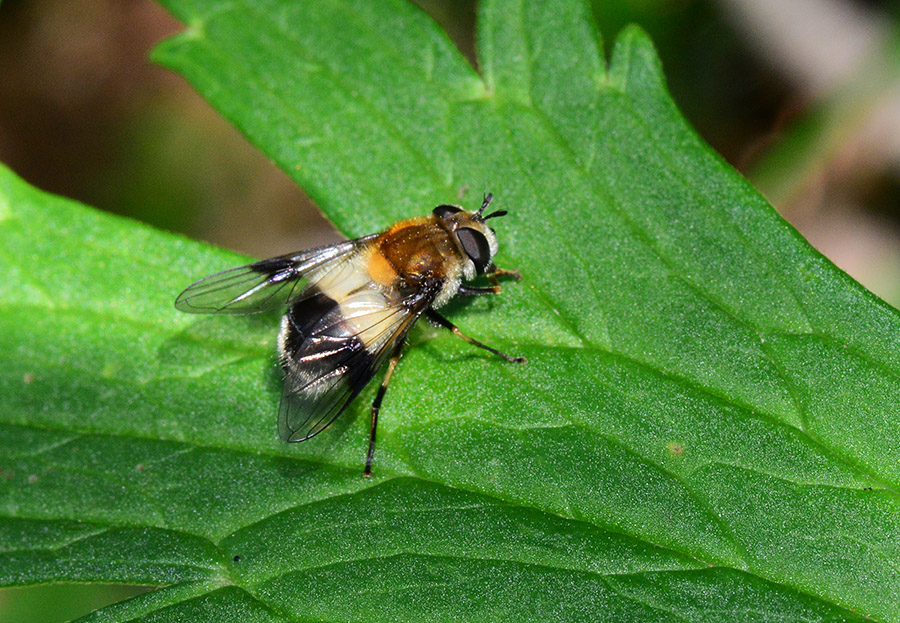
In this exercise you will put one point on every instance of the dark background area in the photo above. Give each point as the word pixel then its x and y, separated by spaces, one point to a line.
pixel 802 96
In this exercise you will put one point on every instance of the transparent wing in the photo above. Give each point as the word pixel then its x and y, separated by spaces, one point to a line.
pixel 330 355
pixel 264 285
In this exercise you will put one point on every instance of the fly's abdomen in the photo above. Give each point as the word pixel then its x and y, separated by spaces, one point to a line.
pixel 315 339
pixel 333 339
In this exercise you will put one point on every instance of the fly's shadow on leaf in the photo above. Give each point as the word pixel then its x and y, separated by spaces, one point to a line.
pixel 314 454
pixel 210 344
pixel 218 339
pixel 446 356
pixel 471 306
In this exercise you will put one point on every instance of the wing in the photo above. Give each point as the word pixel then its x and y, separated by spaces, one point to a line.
pixel 331 351
pixel 264 285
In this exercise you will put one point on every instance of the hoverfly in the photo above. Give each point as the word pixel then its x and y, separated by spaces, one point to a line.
pixel 350 306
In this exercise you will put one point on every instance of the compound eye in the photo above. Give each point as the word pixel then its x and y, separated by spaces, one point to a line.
pixel 476 247
pixel 443 211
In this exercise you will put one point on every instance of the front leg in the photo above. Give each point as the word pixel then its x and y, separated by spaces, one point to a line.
pixel 477 290
pixel 502 272
pixel 495 287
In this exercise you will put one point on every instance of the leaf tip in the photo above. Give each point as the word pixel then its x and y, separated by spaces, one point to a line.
pixel 170 48
pixel 634 59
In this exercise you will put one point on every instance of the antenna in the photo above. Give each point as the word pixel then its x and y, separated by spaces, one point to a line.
pixel 487 201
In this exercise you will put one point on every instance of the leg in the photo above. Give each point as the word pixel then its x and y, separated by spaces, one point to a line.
pixel 502 272
pixel 436 317
pixel 494 288
pixel 376 406
pixel 476 290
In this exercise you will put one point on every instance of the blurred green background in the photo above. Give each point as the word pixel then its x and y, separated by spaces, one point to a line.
pixel 802 96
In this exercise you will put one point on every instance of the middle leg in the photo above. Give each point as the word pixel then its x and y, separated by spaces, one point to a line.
pixel 439 319
pixel 376 405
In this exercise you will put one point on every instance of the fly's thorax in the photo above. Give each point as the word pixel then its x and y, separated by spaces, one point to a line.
pixel 447 247
pixel 413 251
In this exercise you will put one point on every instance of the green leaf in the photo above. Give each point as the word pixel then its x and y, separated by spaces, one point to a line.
pixel 704 429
